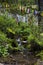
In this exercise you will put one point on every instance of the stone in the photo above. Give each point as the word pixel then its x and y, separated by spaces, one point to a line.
pixel 1 64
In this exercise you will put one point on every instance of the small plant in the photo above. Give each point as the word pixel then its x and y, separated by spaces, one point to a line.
pixel 3 44
pixel 3 51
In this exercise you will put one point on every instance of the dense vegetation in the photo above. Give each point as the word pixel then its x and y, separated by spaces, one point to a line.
pixel 20 36
pixel 14 6
pixel 29 35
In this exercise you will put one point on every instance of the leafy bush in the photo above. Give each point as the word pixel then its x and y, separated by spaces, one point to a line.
pixel 6 21
pixel 3 44
pixel 5 41
pixel 10 31
pixel 3 51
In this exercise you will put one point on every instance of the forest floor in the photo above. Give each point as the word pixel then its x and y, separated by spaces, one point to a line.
pixel 20 59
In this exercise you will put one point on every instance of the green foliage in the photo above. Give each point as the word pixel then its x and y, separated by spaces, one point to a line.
pixel 3 37
pixel 10 30
pixel 3 44
pixel 40 54
pixel 6 21
pixel 41 43
pixel 31 37
pixel 12 6
pixel 3 51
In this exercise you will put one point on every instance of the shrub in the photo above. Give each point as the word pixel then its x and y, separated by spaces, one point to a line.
pixel 10 31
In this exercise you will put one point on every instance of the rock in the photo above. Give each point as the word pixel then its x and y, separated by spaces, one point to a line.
pixel 39 62
pixel 1 64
